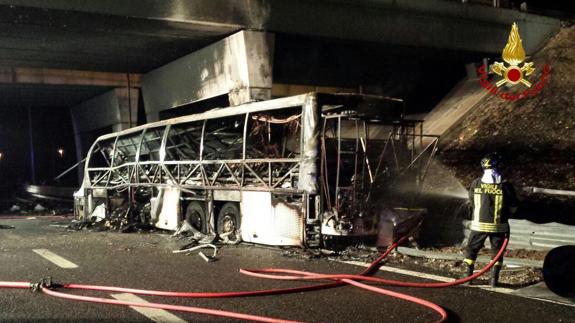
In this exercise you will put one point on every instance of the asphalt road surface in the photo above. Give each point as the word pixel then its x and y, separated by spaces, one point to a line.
pixel 30 252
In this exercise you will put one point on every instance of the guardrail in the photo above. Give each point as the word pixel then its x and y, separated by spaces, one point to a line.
pixel 51 192
pixel 536 236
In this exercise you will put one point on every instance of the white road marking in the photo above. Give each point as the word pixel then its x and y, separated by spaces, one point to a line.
pixel 501 290
pixel 54 258
pixel 402 271
pixel 154 314
pixel 541 292
pixel 429 276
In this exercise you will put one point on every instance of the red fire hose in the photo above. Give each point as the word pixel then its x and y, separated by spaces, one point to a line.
pixel 338 280
pixel 190 309
pixel 304 275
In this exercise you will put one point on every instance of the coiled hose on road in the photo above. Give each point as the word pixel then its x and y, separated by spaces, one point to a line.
pixel 270 273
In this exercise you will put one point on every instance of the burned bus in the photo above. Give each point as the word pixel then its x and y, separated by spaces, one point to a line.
pixel 290 171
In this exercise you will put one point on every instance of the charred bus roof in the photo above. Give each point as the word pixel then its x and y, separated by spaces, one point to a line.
pixel 375 108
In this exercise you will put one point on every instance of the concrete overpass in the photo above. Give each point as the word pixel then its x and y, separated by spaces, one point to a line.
pixel 138 35
pixel 108 61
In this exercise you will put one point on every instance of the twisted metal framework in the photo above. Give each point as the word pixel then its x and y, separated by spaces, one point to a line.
pixel 331 149
pixel 223 151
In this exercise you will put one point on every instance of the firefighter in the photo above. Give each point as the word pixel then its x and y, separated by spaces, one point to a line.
pixel 493 201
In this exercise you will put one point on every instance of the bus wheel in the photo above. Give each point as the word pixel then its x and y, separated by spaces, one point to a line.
pixel 196 216
pixel 229 222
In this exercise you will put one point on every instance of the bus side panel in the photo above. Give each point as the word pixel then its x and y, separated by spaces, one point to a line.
pixel 269 221
pixel 169 209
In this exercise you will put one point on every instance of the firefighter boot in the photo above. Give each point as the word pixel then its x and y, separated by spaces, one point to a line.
pixel 469 272
pixel 494 281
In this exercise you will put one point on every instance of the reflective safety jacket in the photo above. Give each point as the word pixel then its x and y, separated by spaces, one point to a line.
pixel 492 205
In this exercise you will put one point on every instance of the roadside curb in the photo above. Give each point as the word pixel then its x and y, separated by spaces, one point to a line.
pixel 535 292
pixel 454 256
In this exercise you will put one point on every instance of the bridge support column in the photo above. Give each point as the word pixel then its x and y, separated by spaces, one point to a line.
pixel 112 111
pixel 239 66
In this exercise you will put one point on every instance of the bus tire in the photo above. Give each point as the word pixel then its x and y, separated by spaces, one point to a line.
pixel 228 226
pixel 196 216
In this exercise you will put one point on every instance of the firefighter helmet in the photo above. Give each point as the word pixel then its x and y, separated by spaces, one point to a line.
pixel 490 161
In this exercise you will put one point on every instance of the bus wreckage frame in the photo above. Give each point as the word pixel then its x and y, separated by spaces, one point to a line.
pixel 298 170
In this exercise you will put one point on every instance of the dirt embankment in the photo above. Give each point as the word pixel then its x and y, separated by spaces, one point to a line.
pixel 535 136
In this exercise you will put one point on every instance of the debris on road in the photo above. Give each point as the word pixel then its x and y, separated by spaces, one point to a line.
pixel 123 218
pixel 197 240
pixel 206 258
pixel 4 226
pixel 39 208
pixel 25 207
pixel 511 276
pixel 186 231
pixel 189 250
pixel 99 213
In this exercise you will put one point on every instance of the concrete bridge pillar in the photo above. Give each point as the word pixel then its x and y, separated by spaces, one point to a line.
pixel 112 111
pixel 239 66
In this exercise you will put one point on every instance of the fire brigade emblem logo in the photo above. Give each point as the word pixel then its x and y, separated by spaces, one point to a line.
pixel 513 54
pixel 513 71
